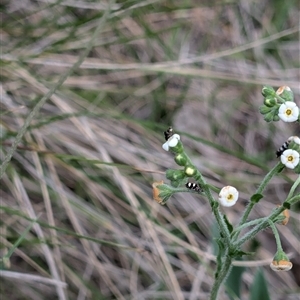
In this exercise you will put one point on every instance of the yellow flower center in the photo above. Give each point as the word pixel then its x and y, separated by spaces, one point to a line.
pixel 290 158
pixel 288 112
pixel 230 197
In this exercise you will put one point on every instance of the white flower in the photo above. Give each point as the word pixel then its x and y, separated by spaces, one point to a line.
pixel 290 158
pixel 171 142
pixel 288 111
pixel 228 196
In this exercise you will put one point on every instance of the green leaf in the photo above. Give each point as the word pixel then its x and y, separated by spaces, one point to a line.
pixel 229 226
pixel 234 281
pixel 256 197
pixel 259 288
pixel 239 253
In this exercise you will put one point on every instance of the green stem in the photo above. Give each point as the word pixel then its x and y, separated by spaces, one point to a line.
pixel 293 200
pixel 215 208
pixel 294 186
pixel 206 189
pixel 225 270
pixel 245 225
pixel 259 190
pixel 276 234
pixel 264 224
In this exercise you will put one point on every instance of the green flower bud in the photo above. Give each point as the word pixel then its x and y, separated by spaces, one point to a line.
pixel 269 117
pixel 175 174
pixel 176 183
pixel 190 171
pixel 285 93
pixel 181 159
pixel 270 101
pixel 161 192
pixel 281 262
pixel 178 148
pixel 294 143
pixel 268 91
pixel 264 109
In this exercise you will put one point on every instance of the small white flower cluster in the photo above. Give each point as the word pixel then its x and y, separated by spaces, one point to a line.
pixel 288 111
pixel 171 142
pixel 290 158
pixel 228 196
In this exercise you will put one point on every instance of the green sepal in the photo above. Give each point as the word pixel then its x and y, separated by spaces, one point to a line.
pixel 287 95
pixel 263 109
pixel 175 175
pixel 181 159
pixel 165 192
pixel 280 255
pixel 256 197
pixel 178 148
pixel 270 116
pixel 270 101
pixel 268 91
pixel 294 146
pixel 176 183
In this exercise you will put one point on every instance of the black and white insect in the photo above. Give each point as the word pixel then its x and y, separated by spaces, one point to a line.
pixel 168 133
pixel 284 147
pixel 194 186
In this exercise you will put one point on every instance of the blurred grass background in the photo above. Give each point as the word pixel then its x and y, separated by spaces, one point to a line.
pixel 85 165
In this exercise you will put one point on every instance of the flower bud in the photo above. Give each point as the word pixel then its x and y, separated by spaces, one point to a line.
pixel 264 109
pixel 268 91
pixel 281 262
pixel 161 192
pixel 285 93
pixel 190 171
pixel 286 214
pixel 180 159
pixel 270 116
pixel 270 101
pixel 175 174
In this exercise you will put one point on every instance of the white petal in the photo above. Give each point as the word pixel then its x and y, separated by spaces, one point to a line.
pixel 166 146
pixel 173 140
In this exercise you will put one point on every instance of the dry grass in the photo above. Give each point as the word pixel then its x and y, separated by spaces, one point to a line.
pixel 85 165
